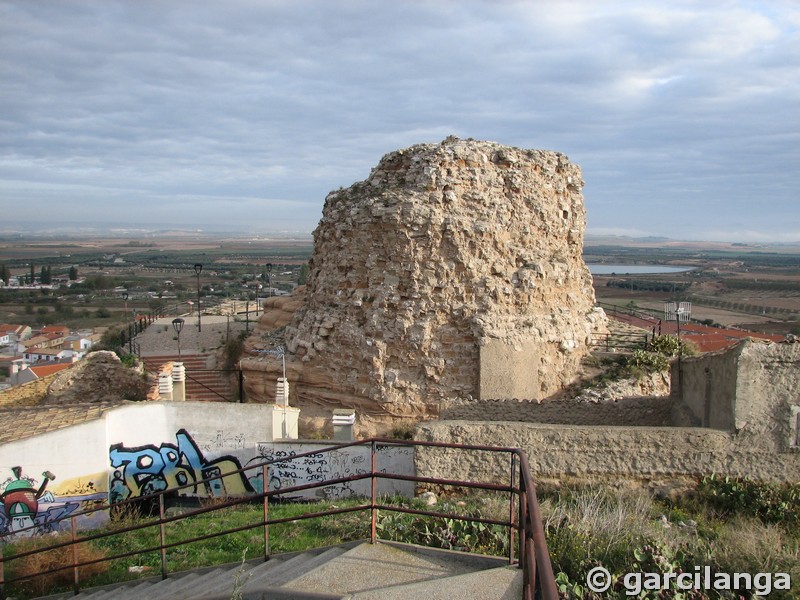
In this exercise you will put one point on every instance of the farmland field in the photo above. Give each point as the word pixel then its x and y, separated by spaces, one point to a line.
pixel 756 287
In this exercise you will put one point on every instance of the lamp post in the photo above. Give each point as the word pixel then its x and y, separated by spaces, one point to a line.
pixel 680 311
pixel 177 324
pixel 127 322
pixel 198 268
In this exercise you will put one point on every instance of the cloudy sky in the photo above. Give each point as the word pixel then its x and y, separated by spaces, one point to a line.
pixel 244 114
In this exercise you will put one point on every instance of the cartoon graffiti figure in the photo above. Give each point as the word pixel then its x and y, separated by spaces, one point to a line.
pixel 21 501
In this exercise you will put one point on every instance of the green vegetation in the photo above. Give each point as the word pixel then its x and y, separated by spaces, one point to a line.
pixel 731 525
pixel 642 362
pixel 450 533
pixel 637 255
pixel 647 285
pixel 284 537
pixel 232 350
pixel 630 532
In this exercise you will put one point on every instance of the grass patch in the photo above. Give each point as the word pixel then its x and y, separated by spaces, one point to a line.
pixel 731 525
pixel 291 536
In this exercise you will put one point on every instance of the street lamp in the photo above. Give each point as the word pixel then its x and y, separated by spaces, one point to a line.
pixel 177 324
pixel 130 333
pixel 198 268
pixel 679 312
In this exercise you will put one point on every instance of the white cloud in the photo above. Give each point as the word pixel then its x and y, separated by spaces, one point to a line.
pixel 678 107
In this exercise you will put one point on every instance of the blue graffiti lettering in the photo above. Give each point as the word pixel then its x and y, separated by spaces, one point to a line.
pixel 147 469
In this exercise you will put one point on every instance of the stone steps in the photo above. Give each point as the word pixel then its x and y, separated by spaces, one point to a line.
pixel 355 571
pixel 202 384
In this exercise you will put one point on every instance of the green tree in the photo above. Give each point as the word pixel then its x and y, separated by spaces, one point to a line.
pixel 5 274
pixel 303 278
pixel 73 273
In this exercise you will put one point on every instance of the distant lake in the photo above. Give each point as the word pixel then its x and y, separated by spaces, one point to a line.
pixel 635 269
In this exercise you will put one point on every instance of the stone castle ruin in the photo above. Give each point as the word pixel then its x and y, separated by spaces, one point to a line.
pixel 454 271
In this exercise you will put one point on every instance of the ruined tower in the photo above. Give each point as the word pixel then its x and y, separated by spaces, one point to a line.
pixel 453 270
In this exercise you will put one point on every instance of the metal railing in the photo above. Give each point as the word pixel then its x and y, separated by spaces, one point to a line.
pixel 624 341
pixel 524 522
pixel 219 392
pixel 646 314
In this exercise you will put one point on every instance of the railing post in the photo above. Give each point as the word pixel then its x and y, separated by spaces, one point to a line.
pixel 163 534
pixel 374 522
pixel 2 572
pixel 523 519
pixel 511 512
pixel 536 584
pixel 76 581
pixel 542 564
pixel 265 486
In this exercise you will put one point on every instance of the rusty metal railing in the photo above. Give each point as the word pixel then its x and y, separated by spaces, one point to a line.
pixel 532 554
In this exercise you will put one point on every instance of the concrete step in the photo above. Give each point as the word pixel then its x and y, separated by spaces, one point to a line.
pixel 502 583
pixel 263 572
pixel 296 568
pixel 202 384
pixel 192 590
pixel 375 566
pixel 224 584
pixel 354 571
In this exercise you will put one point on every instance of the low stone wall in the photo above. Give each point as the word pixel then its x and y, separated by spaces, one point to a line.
pixel 602 453
pixel 27 394
pixel 628 412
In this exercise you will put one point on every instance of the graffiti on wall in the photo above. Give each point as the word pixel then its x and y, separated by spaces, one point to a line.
pixel 290 471
pixel 149 469
pixel 22 510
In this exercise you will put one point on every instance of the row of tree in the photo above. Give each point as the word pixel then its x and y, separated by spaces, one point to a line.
pixel 741 306
pixel 648 285
pixel 45 274
pixel 763 286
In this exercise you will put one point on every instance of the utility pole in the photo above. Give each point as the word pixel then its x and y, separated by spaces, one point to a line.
pixel 198 268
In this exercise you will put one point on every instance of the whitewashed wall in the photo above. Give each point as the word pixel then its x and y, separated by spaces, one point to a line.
pixel 141 448
pixel 345 462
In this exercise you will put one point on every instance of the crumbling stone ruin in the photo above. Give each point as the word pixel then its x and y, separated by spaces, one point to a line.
pixel 453 271
pixel 99 377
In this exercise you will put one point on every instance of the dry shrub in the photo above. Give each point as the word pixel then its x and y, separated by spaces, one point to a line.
pixel 47 560
pixel 616 515
pixel 748 545
pixel 593 523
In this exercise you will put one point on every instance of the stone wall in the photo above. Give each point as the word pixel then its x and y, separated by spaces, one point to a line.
pixel 453 270
pixel 629 412
pixel 746 397
pixel 601 453
pixel 750 390
pixel 99 377
pixel 27 394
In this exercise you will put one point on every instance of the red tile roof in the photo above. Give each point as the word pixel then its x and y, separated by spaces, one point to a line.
pixel 705 338
pixel 45 370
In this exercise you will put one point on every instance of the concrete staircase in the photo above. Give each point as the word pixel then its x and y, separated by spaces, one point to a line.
pixel 356 571
pixel 202 384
